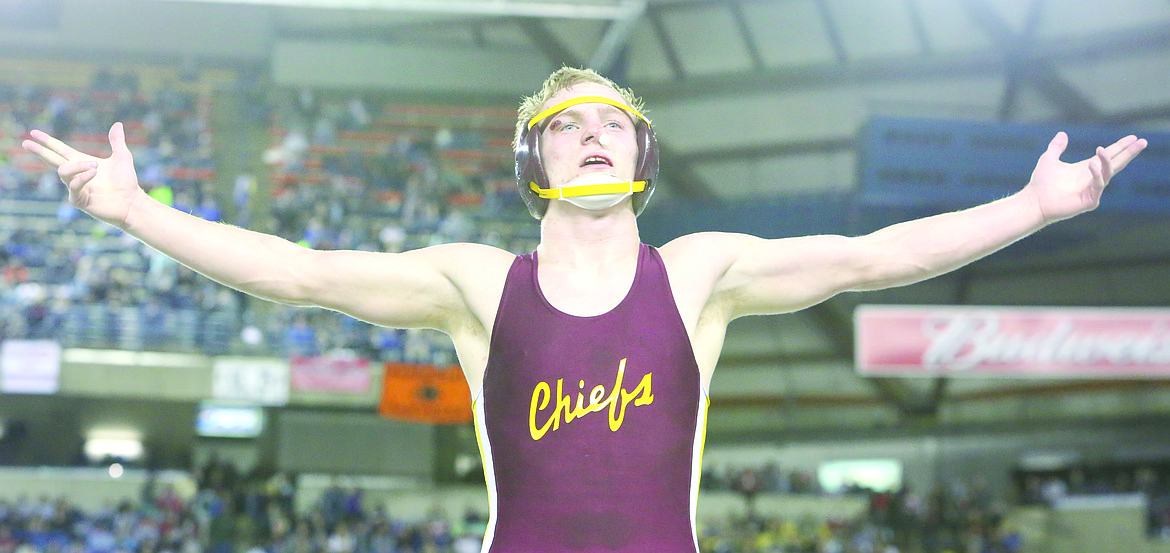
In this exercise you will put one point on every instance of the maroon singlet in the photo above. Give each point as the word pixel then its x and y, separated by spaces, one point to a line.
pixel 591 428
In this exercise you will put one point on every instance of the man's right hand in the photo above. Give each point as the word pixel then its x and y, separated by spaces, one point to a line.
pixel 105 188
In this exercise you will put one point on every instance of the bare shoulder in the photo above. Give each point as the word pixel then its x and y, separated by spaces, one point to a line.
pixel 473 268
pixel 702 247
pixel 729 253
pixel 477 271
pixel 443 286
pixel 695 264
pixel 462 257
pixel 709 254
pixel 745 274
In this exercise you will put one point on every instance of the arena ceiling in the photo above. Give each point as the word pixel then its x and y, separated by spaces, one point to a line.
pixel 763 100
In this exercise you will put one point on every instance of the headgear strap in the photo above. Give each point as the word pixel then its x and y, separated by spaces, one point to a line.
pixel 582 100
pixel 588 189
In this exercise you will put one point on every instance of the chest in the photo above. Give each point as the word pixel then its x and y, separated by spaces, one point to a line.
pixel 585 364
pixel 585 294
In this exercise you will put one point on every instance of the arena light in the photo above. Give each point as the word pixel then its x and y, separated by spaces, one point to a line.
pixel 598 9
pixel 125 445
pixel 879 475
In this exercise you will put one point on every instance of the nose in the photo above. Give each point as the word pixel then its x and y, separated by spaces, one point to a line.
pixel 592 133
pixel 592 123
pixel 596 132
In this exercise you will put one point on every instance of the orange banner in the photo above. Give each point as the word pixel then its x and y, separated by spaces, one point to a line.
pixel 424 393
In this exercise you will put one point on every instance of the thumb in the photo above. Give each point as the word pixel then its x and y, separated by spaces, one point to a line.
pixel 1057 145
pixel 118 141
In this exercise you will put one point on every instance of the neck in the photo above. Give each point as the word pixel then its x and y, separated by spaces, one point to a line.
pixel 588 238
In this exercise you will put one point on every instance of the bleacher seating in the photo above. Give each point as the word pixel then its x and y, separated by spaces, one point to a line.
pixel 390 177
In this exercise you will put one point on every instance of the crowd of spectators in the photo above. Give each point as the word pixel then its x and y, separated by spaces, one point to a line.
pixel 388 177
pixel 338 173
pixel 1151 480
pixel 256 513
pixel 67 275
pixel 766 478
pixel 959 516
pixel 231 512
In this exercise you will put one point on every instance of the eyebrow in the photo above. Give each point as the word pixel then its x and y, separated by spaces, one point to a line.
pixel 574 112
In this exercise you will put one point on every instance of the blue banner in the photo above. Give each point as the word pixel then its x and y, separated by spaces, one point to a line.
pixel 955 164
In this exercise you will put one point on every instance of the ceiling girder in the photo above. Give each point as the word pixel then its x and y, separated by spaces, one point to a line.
pixel 833 31
pixel 774 149
pixel 664 40
pixel 549 44
pixel 613 43
pixel 1020 67
pixel 919 27
pixel 904 68
pixel 749 42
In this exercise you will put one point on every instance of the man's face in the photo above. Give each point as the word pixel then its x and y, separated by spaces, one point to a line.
pixel 572 142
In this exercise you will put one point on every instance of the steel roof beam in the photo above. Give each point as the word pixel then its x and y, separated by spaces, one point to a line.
pixel 615 10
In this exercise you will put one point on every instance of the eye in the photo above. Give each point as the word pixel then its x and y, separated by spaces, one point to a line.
pixel 559 125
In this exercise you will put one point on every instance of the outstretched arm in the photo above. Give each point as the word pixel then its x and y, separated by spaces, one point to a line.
pixel 772 276
pixel 410 289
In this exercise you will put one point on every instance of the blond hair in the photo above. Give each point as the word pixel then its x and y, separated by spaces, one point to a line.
pixel 561 79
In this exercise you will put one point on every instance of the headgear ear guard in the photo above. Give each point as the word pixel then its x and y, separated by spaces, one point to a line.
pixel 532 179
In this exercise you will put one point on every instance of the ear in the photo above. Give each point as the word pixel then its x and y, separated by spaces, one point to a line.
pixel 530 168
pixel 647 166
pixel 647 154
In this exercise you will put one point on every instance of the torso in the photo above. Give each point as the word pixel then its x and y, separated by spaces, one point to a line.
pixel 577 407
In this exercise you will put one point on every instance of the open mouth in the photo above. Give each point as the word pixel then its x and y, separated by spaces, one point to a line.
pixel 597 160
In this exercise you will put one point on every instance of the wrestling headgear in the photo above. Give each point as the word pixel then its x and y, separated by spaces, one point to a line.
pixel 532 179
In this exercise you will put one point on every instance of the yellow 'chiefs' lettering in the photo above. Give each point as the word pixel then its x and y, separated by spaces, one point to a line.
pixel 617 401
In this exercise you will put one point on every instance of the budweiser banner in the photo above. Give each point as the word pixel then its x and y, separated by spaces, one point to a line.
pixel 1012 342
pixel 325 373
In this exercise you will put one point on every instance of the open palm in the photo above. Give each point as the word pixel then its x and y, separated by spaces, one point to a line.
pixel 1062 190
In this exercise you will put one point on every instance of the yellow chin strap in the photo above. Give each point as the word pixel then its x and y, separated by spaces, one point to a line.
pixel 588 189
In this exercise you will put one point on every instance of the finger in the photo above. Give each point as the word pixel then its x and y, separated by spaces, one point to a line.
pixel 1117 147
pixel 1098 182
pixel 1057 145
pixel 56 146
pixel 79 180
pixel 1105 167
pixel 48 156
pixel 70 170
pixel 1122 158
